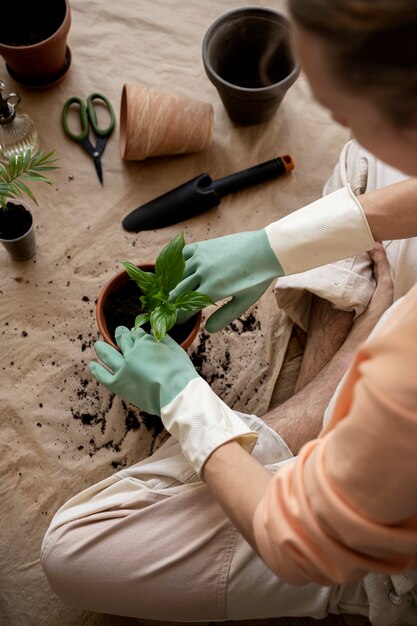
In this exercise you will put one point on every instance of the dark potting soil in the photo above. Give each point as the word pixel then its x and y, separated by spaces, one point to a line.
pixel 122 307
pixel 15 221
pixel 26 22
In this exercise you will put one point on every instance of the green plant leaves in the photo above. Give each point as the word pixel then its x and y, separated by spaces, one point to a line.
pixel 42 161
pixel 142 319
pixel 25 189
pixel 170 264
pixel 146 281
pixel 162 319
pixel 12 168
pixel 153 299
pixel 27 167
pixel 192 301
pixel 155 288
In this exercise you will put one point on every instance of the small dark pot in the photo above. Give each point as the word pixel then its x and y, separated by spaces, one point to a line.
pixel 113 309
pixel 17 232
pixel 36 51
pixel 248 58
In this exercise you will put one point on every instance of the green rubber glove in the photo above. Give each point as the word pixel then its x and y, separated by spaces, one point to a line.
pixel 131 372
pixel 160 378
pixel 241 265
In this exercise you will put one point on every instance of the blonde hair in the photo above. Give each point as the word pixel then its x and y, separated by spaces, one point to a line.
pixel 373 49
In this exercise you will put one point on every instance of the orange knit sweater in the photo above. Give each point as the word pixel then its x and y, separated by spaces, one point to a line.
pixel 348 504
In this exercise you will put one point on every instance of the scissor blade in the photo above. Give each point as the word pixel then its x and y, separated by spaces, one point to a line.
pixel 99 169
pixel 101 144
pixel 89 148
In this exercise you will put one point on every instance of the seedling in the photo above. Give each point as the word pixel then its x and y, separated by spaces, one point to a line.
pixel 158 309
pixel 24 167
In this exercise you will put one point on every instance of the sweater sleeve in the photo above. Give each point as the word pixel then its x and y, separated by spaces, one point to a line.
pixel 348 505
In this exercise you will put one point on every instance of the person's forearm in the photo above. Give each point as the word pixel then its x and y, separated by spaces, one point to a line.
pixel 238 483
pixel 391 211
pixel 327 330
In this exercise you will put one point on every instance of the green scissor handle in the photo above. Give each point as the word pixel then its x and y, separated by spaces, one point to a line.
pixel 88 116
pixel 100 132
pixel 83 119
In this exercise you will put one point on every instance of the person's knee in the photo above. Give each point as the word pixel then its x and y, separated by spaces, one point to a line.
pixel 91 566
pixel 60 564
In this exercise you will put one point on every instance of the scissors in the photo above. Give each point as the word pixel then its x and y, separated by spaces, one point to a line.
pixel 88 117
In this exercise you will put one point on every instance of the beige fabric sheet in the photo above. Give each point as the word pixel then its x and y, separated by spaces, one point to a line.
pixel 60 432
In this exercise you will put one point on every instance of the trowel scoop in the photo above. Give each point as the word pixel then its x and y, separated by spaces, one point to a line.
pixel 200 194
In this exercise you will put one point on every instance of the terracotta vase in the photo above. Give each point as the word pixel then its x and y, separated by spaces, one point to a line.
pixel 20 245
pixel 183 334
pixel 44 62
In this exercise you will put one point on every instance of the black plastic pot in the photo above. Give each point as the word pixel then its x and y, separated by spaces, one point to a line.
pixel 17 232
pixel 248 58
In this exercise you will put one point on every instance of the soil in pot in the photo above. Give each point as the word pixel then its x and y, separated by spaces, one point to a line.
pixel 15 221
pixel 26 23
pixel 122 307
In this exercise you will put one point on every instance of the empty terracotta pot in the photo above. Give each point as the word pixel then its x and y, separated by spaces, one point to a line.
pixel 153 123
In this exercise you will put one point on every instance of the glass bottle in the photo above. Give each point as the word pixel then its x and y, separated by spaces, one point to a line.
pixel 17 130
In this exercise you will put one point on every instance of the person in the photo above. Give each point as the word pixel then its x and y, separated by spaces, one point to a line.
pixel 224 521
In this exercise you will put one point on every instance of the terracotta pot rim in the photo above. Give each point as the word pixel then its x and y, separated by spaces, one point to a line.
pixel 108 288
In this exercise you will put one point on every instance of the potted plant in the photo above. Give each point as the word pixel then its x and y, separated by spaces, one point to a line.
pixel 121 303
pixel 17 232
pixel 33 41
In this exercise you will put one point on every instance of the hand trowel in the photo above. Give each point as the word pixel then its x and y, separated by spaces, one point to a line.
pixel 200 194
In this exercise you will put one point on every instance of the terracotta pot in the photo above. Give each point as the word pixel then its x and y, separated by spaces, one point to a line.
pixel 184 334
pixel 22 246
pixel 153 123
pixel 45 62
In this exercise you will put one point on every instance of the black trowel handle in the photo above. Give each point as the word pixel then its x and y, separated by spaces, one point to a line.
pixel 179 204
pixel 253 175
pixel 201 194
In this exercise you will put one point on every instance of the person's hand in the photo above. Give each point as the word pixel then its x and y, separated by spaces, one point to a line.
pixel 243 265
pixel 146 373
pixel 381 300
pixel 160 378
